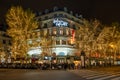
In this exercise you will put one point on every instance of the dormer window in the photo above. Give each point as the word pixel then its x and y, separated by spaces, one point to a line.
pixel 55 8
pixel 55 15
pixel 60 15
pixel 46 17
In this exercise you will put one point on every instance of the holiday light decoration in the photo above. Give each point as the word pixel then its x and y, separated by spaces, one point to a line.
pixel 21 26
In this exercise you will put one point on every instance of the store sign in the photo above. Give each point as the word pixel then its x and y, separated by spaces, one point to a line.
pixel 59 23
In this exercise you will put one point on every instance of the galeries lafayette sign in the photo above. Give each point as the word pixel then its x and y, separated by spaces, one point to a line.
pixel 59 23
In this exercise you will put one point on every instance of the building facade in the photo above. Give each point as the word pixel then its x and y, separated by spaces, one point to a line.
pixel 57 34
pixel 5 42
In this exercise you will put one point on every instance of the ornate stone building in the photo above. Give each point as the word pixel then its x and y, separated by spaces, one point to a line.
pixel 57 33
pixel 5 42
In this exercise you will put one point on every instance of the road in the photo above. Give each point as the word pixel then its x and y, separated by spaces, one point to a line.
pixel 82 74
pixel 38 75
pixel 97 75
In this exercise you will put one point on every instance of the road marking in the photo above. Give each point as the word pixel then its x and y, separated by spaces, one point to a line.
pixel 117 78
pixel 106 77
pixel 93 77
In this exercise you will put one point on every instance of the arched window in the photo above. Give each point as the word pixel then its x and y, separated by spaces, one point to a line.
pixel 65 9
pixel 55 8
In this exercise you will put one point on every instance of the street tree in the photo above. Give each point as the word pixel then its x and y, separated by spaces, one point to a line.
pixel 45 43
pixel 21 25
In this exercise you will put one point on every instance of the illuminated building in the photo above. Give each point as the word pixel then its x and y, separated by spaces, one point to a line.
pixel 59 29
pixel 5 42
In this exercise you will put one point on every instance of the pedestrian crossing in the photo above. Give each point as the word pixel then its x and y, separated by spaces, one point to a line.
pixel 97 75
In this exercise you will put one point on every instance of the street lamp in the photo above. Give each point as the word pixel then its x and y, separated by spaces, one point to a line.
pixel 83 59
pixel 114 55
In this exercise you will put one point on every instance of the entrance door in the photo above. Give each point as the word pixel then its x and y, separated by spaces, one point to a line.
pixel 61 59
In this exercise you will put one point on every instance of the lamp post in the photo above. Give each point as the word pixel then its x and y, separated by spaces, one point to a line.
pixel 83 59
pixel 0 54
pixel 114 55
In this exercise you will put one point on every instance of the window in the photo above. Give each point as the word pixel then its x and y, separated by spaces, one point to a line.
pixel 72 19
pixel 38 34
pixel 4 41
pixel 61 31
pixel 57 42
pixel 63 42
pixel 65 16
pixel 45 25
pixel 55 15
pixel 45 32
pixel 50 32
pixel 60 15
pixel 54 31
pixel 9 42
pixel 67 31
pixel 39 19
pixel 46 17
pixel 73 26
pixel 69 42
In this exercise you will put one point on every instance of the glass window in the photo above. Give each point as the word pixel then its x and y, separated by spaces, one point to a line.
pixel 54 31
pixel 9 42
pixel 57 42
pixel 64 31
pixel 67 31
pixel 69 42
pixel 49 31
pixel 71 31
pixel 61 31
pixel 39 19
pixel 45 32
pixel 63 42
pixel 65 16
pixel 60 15
pixel 38 34
pixel 55 15
pixel 4 41
pixel 45 25
pixel 46 17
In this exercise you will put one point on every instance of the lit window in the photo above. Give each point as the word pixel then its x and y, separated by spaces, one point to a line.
pixel 69 42
pixel 54 31
pixel 45 32
pixel 61 30
pixel 67 31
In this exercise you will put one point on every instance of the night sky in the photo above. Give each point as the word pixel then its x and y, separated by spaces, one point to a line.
pixel 107 11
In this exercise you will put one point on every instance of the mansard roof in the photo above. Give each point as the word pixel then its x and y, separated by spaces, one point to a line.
pixel 56 9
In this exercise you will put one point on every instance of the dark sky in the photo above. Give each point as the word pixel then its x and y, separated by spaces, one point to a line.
pixel 107 11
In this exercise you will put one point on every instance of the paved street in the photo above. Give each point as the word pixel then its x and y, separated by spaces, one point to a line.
pixel 97 75
pixel 82 74
pixel 38 75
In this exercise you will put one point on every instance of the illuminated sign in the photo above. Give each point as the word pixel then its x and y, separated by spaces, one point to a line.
pixel 59 23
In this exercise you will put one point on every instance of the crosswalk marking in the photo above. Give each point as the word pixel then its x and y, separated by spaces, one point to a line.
pixel 117 78
pixel 105 77
pixel 90 75
pixel 94 75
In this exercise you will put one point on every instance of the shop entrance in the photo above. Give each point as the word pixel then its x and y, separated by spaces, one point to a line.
pixel 61 59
